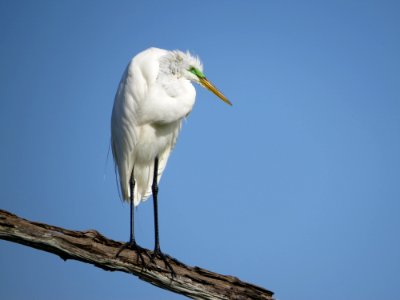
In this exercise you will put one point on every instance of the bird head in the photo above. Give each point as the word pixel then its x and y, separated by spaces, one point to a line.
pixel 190 67
pixel 200 78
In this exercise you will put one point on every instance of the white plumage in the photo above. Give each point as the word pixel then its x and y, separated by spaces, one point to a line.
pixel 154 96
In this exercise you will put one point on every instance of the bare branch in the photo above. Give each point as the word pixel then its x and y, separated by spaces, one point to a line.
pixel 92 247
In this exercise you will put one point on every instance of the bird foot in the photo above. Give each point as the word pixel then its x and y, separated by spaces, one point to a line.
pixel 164 257
pixel 135 247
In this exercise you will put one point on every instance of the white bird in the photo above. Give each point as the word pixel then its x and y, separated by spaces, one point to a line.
pixel 154 95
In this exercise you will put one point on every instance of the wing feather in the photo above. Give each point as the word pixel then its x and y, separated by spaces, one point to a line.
pixel 124 126
pixel 125 121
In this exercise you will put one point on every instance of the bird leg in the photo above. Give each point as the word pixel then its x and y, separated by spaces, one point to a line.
pixel 157 251
pixel 132 242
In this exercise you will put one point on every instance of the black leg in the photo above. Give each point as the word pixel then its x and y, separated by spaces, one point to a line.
pixel 132 242
pixel 154 189
pixel 157 250
pixel 132 206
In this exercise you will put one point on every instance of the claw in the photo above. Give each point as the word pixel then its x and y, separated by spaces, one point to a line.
pixel 135 247
pixel 158 254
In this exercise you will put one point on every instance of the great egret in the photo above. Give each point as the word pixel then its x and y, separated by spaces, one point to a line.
pixel 154 96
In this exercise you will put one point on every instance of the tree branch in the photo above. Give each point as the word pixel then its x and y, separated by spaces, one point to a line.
pixel 92 247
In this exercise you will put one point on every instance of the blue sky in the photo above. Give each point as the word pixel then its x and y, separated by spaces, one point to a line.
pixel 294 188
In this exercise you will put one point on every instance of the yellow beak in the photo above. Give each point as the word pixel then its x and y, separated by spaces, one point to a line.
pixel 208 85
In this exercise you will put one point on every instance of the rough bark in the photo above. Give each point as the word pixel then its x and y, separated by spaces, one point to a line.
pixel 92 247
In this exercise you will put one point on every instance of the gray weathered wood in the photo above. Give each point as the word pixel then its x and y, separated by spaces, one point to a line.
pixel 92 247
